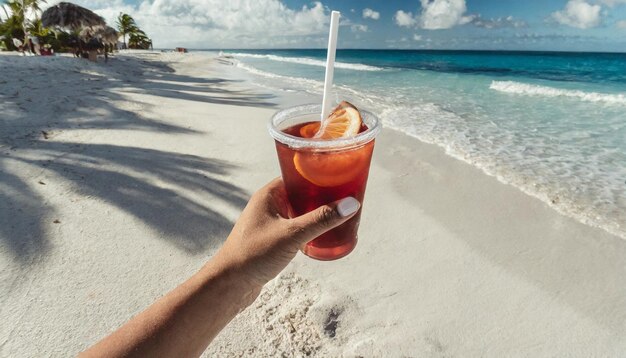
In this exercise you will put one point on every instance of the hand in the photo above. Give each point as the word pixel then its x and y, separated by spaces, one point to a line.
pixel 265 239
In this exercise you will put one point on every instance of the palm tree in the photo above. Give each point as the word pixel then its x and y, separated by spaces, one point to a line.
pixel 13 26
pixel 17 12
pixel 126 25
pixel 37 29
pixel 139 39
pixel 20 7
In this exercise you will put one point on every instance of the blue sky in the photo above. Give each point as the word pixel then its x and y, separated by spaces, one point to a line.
pixel 572 25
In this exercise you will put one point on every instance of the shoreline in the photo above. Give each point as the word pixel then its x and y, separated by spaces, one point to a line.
pixel 552 202
pixel 536 187
pixel 147 172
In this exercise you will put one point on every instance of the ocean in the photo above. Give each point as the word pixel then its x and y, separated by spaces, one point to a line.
pixel 552 124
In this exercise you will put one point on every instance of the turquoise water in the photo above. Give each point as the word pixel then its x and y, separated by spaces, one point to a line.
pixel 552 124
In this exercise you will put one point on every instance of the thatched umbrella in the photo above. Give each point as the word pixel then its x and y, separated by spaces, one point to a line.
pixel 73 17
pixel 100 37
pixel 68 15
pixel 110 35
pixel 87 33
pixel 106 34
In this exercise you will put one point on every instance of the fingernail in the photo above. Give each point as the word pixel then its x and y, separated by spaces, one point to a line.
pixel 348 206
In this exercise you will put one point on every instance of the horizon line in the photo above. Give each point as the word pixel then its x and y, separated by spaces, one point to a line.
pixel 396 49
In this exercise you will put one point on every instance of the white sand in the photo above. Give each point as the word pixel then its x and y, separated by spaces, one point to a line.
pixel 146 169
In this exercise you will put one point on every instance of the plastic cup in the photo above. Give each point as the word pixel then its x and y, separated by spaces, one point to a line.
pixel 317 172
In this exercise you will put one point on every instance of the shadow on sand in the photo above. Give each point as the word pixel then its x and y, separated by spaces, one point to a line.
pixel 146 183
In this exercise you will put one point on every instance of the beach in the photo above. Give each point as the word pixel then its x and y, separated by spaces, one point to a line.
pixel 120 180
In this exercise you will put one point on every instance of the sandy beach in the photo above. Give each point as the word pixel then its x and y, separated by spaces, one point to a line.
pixel 119 180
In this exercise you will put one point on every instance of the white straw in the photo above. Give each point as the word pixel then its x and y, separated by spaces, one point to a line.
pixel 330 63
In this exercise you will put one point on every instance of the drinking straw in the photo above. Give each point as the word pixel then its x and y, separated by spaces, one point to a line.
pixel 330 63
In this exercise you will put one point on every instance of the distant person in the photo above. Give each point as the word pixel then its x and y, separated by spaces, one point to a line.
pixel 31 46
pixel 46 50
pixel 263 241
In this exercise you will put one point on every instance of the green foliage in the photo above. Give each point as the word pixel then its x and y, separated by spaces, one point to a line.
pixel 36 29
pixel 126 25
pixel 137 38
pixel 32 5
pixel 65 41
pixel 11 28
pixel 14 25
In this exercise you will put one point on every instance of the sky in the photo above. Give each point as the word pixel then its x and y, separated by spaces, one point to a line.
pixel 560 25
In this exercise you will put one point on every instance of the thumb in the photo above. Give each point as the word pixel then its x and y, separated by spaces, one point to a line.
pixel 324 218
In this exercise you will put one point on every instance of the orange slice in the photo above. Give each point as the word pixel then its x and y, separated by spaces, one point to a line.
pixel 344 121
pixel 309 130
pixel 333 168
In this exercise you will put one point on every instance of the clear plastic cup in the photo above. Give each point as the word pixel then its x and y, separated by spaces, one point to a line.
pixel 318 172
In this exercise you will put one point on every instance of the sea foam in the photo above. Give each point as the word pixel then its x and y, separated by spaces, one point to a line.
pixel 545 91
pixel 519 155
pixel 309 61
pixel 296 82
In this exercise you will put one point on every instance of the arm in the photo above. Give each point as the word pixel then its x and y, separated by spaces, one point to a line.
pixel 263 241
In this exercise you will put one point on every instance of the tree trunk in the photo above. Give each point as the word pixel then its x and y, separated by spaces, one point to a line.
pixel 24 22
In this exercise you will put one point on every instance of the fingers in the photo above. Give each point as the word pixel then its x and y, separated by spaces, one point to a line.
pixel 273 186
pixel 326 217
pixel 313 224
pixel 273 197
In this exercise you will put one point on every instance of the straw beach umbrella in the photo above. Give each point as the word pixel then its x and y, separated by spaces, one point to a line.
pixel 87 33
pixel 71 16
pixel 109 35
pixel 106 34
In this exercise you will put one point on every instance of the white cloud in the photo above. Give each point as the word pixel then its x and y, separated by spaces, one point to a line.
pixel 358 28
pixel 579 14
pixel 436 15
pixel 417 37
pixel 404 19
pixel 621 24
pixel 221 24
pixel 369 13
pixel 443 14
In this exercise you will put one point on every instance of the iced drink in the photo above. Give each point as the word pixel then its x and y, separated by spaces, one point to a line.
pixel 318 172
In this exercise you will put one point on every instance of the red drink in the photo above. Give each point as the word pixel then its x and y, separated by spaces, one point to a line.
pixel 318 174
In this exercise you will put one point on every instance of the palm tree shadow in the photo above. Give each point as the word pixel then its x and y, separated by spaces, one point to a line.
pixel 177 195
pixel 182 198
pixel 148 184
pixel 24 237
